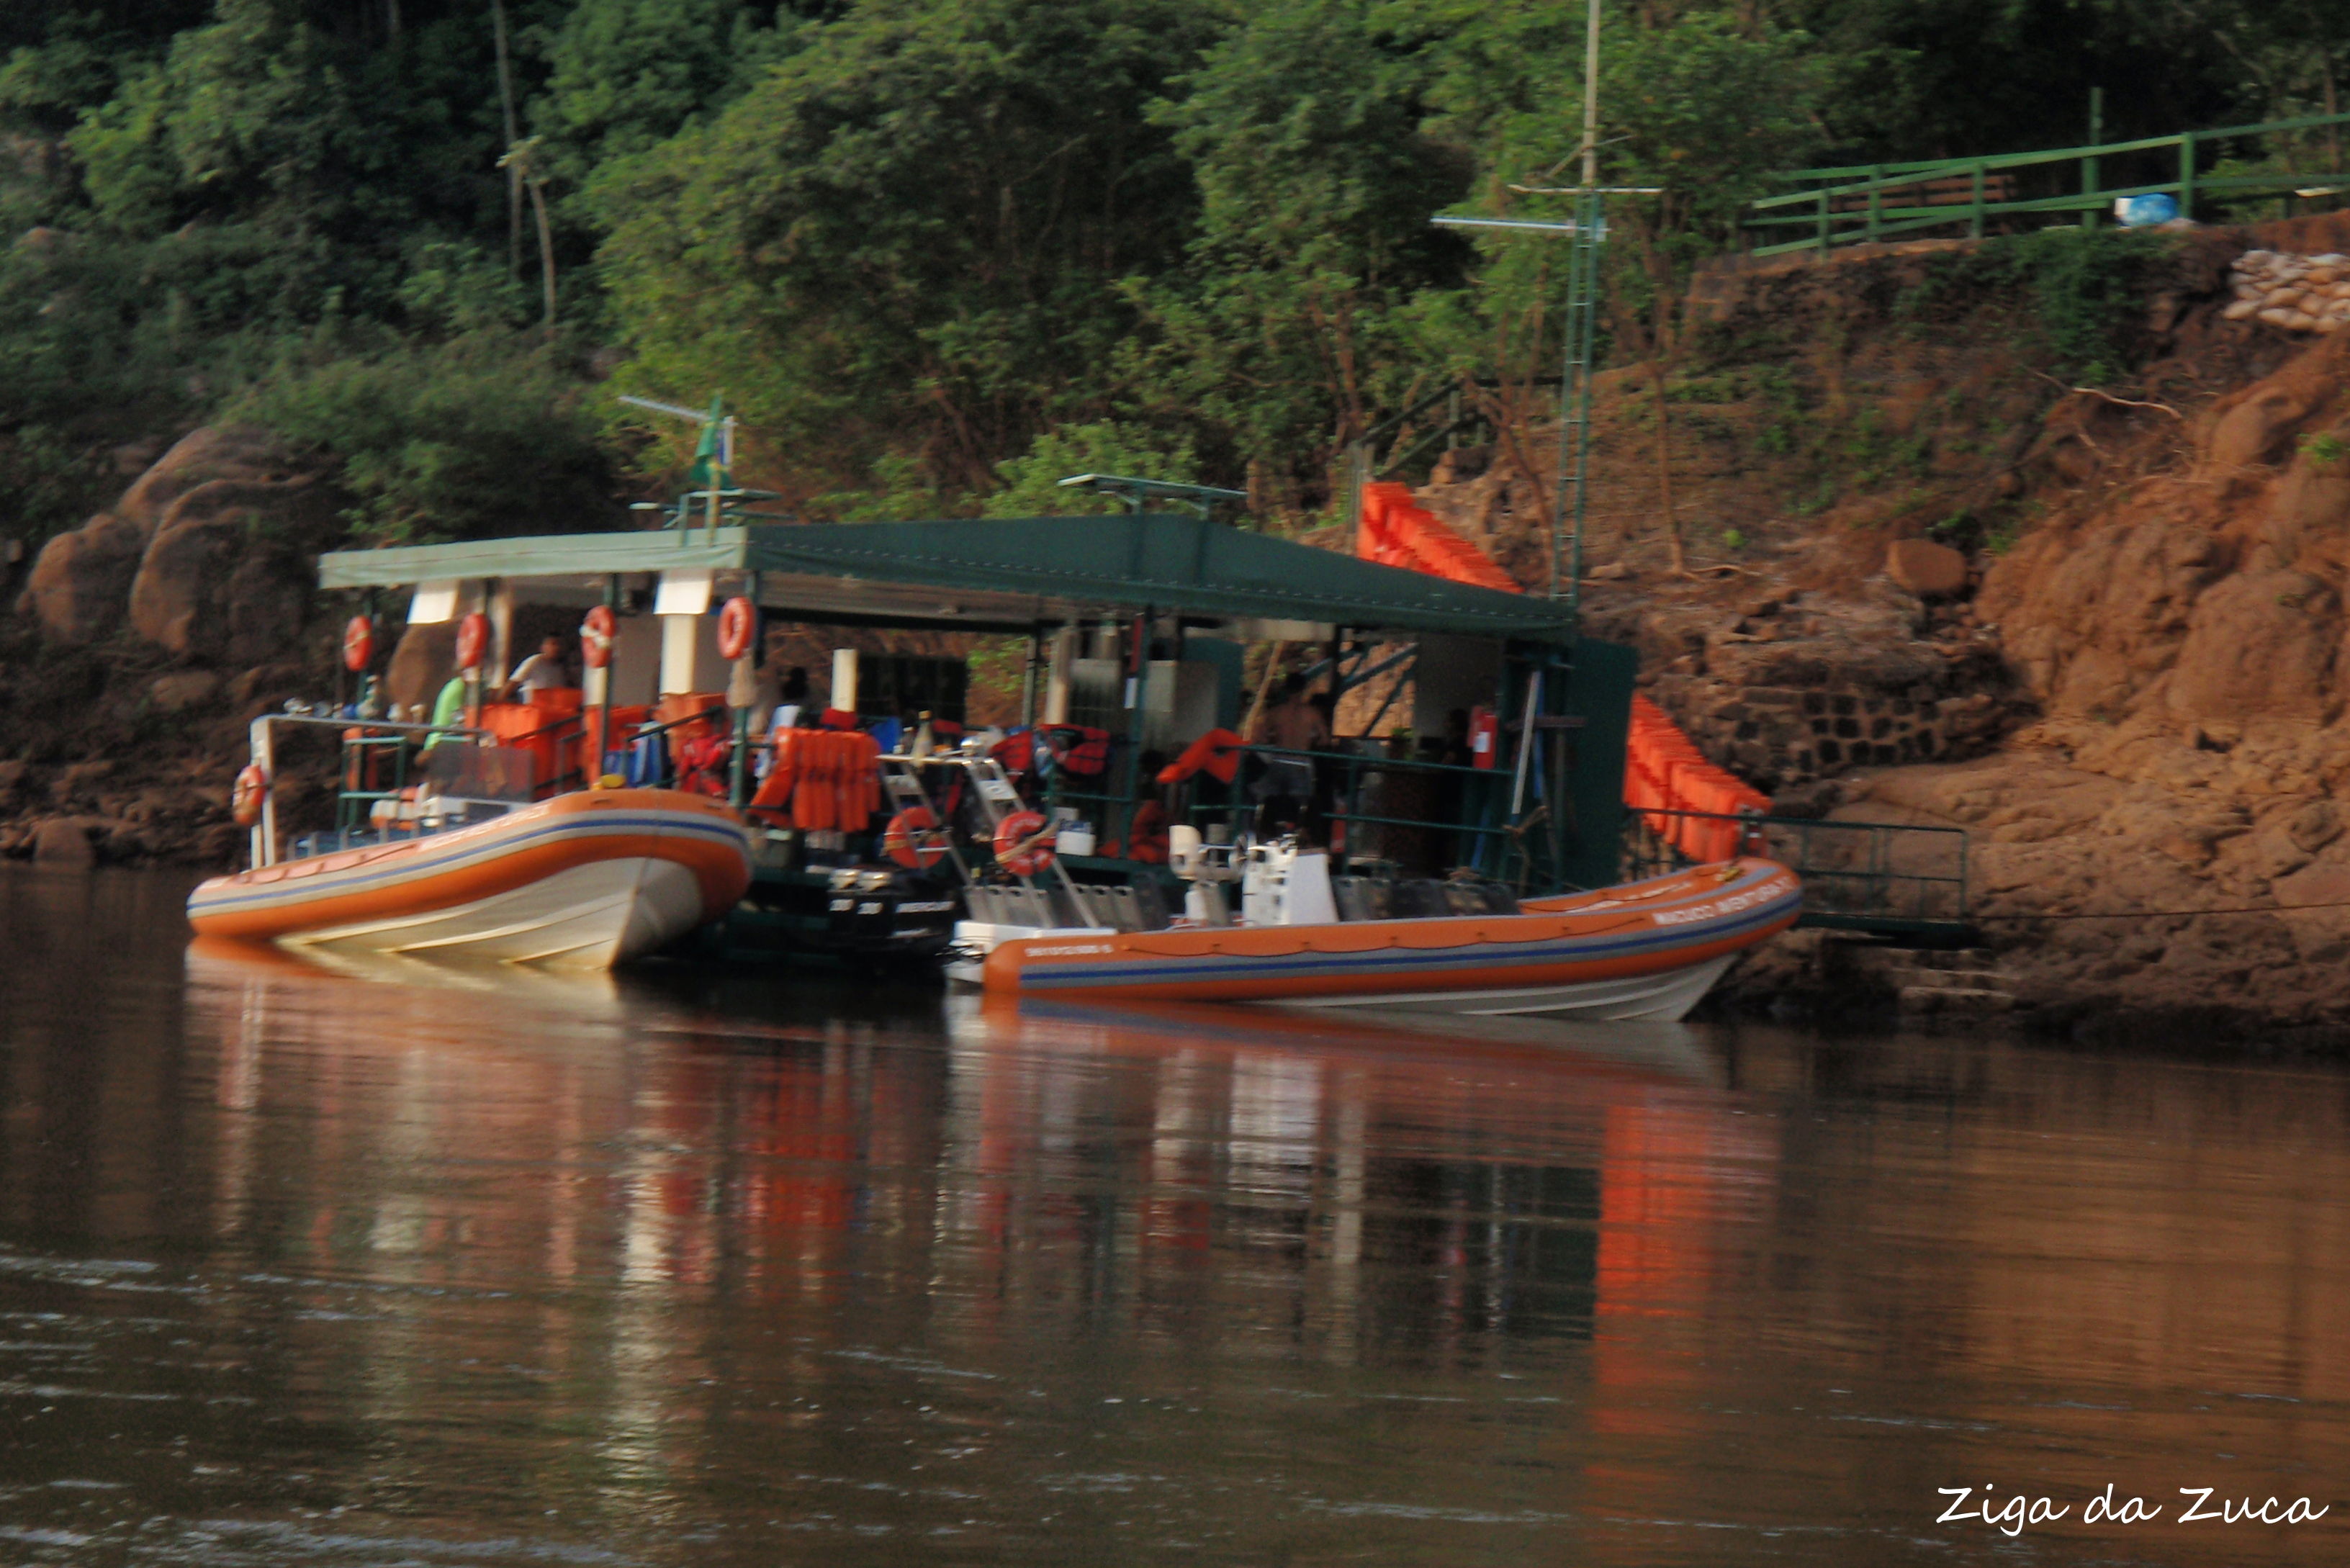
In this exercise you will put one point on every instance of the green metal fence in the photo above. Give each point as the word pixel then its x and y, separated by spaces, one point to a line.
pixel 1849 205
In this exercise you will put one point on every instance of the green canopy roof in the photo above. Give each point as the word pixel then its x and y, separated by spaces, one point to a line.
pixel 993 572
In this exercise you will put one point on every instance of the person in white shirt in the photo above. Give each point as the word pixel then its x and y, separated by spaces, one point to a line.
pixel 543 670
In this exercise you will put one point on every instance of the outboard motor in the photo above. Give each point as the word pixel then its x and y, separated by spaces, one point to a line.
pixel 1286 885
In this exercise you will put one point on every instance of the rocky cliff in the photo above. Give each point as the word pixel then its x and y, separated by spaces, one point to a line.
pixel 146 640
pixel 2125 674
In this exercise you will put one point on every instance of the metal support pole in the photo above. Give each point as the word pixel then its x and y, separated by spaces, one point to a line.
pixel 1591 94
pixel 611 672
pixel 2187 175
pixel 1526 744
pixel 738 773
pixel 264 846
pixel 2089 164
pixel 1137 698
pixel 1975 212
pixel 1876 202
pixel 1028 670
pixel 1357 467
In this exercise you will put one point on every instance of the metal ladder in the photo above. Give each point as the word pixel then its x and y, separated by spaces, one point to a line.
pixel 901 781
pixel 1573 490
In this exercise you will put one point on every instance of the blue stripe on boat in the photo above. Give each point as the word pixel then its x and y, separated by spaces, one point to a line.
pixel 1482 955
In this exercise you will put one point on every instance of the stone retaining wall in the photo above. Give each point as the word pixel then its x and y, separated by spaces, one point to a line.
pixel 1804 687
pixel 2299 293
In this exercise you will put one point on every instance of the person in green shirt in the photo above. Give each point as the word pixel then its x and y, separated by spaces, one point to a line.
pixel 448 713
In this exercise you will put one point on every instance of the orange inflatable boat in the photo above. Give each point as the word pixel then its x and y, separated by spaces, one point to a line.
pixel 581 881
pixel 1642 951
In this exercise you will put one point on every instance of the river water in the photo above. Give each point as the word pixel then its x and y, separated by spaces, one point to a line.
pixel 406 1265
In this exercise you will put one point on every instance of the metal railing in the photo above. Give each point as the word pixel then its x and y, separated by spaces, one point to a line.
pixel 1850 207
pixel 1474 833
pixel 1888 877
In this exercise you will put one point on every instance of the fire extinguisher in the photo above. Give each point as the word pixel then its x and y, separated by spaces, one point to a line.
pixel 1484 736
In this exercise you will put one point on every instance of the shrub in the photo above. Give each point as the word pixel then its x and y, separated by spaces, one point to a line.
pixel 486 434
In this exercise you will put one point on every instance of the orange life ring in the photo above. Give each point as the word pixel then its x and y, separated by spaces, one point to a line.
pixel 472 640
pixel 738 624
pixel 914 839
pixel 244 798
pixel 595 636
pixel 358 644
pixel 1024 842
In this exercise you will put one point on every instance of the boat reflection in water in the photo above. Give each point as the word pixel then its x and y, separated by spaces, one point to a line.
pixel 303 1266
pixel 1249 1225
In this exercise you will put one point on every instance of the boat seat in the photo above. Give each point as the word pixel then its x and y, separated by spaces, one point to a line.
pixel 1418 898
pixel 1425 899
pixel 1480 898
pixel 1363 898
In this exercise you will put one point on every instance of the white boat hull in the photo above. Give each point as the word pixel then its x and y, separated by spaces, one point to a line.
pixel 589 917
pixel 584 880
pixel 1653 999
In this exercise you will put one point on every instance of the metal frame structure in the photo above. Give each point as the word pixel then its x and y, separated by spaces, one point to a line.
pixel 1155 580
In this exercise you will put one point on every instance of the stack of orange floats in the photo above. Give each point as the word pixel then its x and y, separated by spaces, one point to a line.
pixel 1396 531
pixel 821 779
pixel 1663 771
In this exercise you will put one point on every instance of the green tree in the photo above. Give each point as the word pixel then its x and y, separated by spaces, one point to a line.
pixel 1281 333
pixel 1031 482
pixel 488 434
pixel 908 235
pixel 624 76
pixel 1946 78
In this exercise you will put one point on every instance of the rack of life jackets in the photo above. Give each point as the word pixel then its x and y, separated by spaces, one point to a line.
pixel 830 779
pixel 1664 772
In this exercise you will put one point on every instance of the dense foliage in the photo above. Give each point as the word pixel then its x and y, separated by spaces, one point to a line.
pixel 935 250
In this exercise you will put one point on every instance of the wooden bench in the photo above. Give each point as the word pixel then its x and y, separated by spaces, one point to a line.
pixel 1952 191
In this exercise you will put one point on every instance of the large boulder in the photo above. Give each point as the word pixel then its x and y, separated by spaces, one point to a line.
pixel 207 553
pixel 2251 428
pixel 1925 568
pixel 2260 644
pixel 63 842
pixel 80 578
pixel 228 574
pixel 240 453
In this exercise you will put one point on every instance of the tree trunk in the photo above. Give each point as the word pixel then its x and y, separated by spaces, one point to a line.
pixel 513 134
pixel 546 250
pixel 1665 471
pixel 2333 106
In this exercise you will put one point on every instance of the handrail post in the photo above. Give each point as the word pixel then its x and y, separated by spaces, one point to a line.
pixel 1962 878
pixel 2187 175
pixel 1821 198
pixel 1876 199
pixel 1975 212
pixel 263 847
pixel 2089 164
